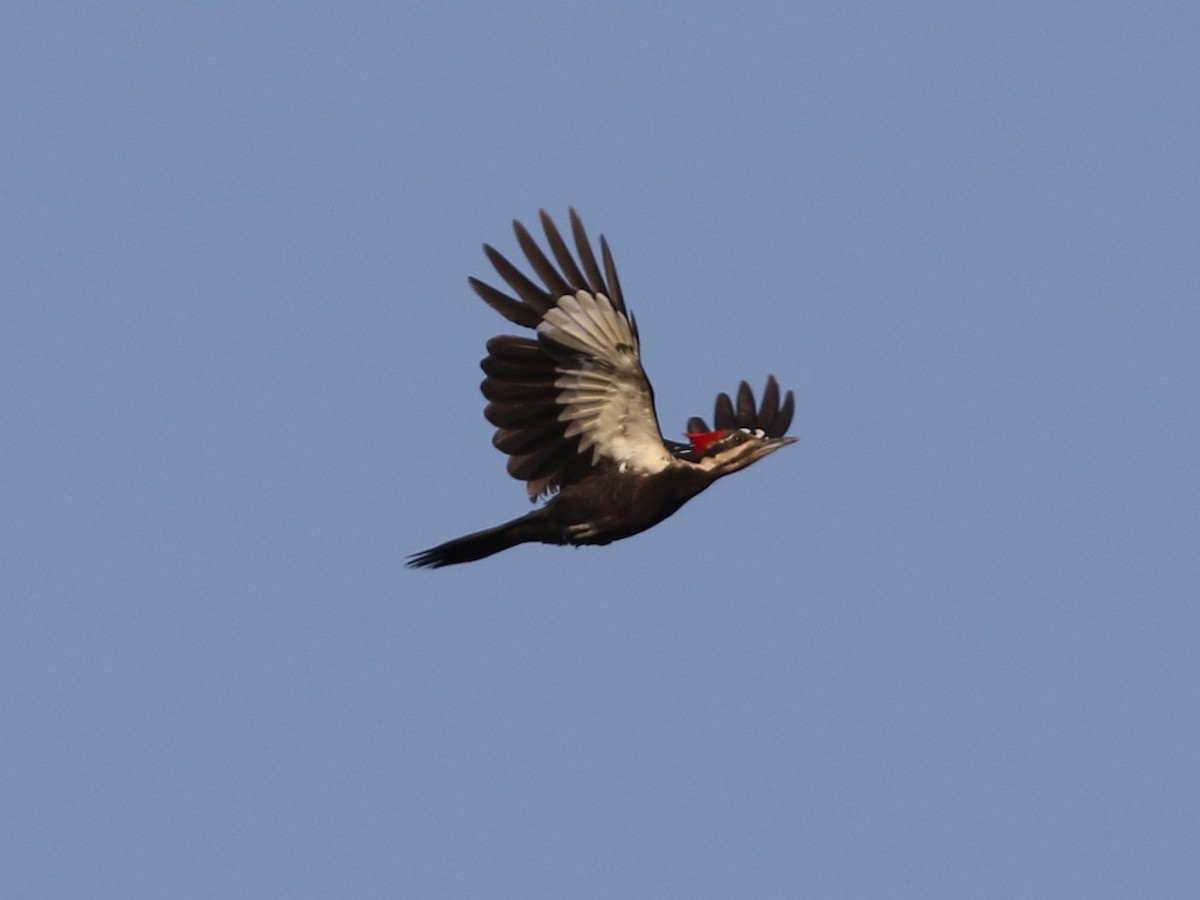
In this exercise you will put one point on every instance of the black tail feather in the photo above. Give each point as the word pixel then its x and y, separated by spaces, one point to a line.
pixel 475 546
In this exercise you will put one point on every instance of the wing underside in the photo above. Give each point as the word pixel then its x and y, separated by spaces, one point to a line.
pixel 575 396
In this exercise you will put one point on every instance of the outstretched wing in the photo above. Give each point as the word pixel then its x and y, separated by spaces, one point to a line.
pixel 770 417
pixel 577 396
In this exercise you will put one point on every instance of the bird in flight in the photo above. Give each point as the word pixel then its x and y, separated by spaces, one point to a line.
pixel 574 410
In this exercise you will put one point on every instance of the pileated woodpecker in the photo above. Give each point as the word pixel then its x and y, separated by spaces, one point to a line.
pixel 574 411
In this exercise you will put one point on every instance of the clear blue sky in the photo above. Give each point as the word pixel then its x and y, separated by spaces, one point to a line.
pixel 946 646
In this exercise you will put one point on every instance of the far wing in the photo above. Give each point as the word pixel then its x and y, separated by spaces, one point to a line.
pixel 771 418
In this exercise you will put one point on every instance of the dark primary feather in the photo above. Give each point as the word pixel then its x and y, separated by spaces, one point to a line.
pixel 747 412
pixel 614 283
pixel 769 408
pixel 535 298
pixel 562 254
pixel 555 283
pixel 513 310
pixel 723 415
pixel 595 282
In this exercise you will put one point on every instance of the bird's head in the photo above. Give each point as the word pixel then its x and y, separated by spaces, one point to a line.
pixel 732 449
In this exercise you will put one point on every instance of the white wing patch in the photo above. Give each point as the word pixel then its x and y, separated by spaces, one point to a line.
pixel 604 392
